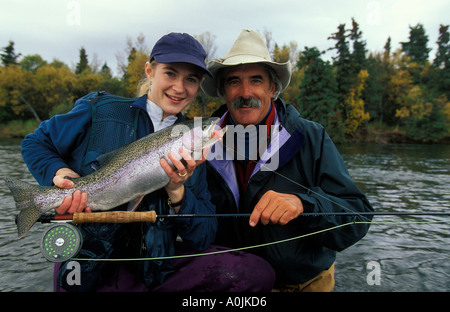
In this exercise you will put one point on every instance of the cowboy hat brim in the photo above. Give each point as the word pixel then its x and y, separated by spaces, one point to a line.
pixel 209 85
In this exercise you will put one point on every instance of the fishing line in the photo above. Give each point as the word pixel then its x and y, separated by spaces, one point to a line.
pixel 264 244
pixel 296 183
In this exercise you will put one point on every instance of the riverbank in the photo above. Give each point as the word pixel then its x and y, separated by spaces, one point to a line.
pixel 383 134
pixel 374 133
pixel 17 128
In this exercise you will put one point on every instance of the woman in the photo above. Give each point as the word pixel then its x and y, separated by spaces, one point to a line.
pixel 68 146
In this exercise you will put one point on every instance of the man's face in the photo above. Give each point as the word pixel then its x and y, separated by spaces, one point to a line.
pixel 248 93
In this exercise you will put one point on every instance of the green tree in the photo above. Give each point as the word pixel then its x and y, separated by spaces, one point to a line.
pixel 342 62
pixel 8 55
pixel 358 56
pixel 441 63
pixel 83 63
pixel 380 71
pixel 32 62
pixel 442 58
pixel 387 50
pixel 417 47
pixel 318 98
pixel 105 71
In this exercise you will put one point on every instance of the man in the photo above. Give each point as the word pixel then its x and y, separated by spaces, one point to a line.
pixel 295 169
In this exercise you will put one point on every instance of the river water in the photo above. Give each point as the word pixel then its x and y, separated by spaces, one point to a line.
pixel 398 253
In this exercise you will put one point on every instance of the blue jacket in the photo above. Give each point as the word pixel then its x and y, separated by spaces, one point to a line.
pixel 302 160
pixel 66 141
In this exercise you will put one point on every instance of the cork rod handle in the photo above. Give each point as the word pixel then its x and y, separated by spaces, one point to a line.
pixel 114 217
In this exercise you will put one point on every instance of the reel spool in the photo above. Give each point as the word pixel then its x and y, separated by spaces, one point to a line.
pixel 61 242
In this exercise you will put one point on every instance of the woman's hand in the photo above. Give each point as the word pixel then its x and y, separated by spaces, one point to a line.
pixel 72 203
pixel 175 187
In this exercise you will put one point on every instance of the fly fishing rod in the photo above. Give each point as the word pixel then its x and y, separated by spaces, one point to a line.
pixel 151 216
pixel 63 240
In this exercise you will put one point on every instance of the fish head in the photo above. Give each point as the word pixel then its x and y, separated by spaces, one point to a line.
pixel 200 133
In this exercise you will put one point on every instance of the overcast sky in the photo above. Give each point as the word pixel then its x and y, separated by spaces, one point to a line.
pixel 58 28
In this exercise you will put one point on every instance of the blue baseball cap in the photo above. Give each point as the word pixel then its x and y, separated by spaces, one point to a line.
pixel 179 48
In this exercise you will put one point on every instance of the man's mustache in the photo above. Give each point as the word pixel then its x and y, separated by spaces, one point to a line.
pixel 241 102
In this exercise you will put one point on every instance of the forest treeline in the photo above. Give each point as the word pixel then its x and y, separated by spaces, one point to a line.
pixel 358 90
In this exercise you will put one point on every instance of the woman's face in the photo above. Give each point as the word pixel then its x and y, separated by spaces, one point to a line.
pixel 173 85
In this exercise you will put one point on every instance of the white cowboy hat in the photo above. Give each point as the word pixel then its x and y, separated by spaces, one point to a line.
pixel 249 47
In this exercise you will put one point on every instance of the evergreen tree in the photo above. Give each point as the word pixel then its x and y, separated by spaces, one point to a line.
pixel 416 47
pixel 373 92
pixel 83 64
pixel 442 59
pixel 387 50
pixel 318 99
pixel 106 71
pixel 380 71
pixel 358 56
pixel 441 63
pixel 8 55
pixel 342 62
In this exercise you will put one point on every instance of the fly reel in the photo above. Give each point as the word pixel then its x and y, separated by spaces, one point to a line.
pixel 61 242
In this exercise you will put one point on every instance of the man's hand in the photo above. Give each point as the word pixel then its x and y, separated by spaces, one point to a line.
pixel 276 207
pixel 72 203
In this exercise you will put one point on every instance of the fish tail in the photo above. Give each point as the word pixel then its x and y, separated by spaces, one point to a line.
pixel 23 194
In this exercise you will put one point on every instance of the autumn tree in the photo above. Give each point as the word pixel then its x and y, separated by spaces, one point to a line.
pixel 397 89
pixel 426 120
pixel 289 53
pixel 351 75
pixel 13 82
pixel 52 87
pixel 133 69
pixel 203 104
pixel 353 105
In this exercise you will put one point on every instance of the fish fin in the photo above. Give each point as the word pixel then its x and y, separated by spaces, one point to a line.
pixel 26 219
pixel 23 194
pixel 133 204
pixel 105 158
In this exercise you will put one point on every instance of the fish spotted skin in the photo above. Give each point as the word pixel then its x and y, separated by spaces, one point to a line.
pixel 125 175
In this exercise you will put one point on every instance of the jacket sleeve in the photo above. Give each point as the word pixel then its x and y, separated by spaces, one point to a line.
pixel 331 189
pixel 56 143
pixel 198 233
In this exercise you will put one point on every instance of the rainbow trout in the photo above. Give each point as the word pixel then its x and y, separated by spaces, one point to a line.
pixel 125 175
